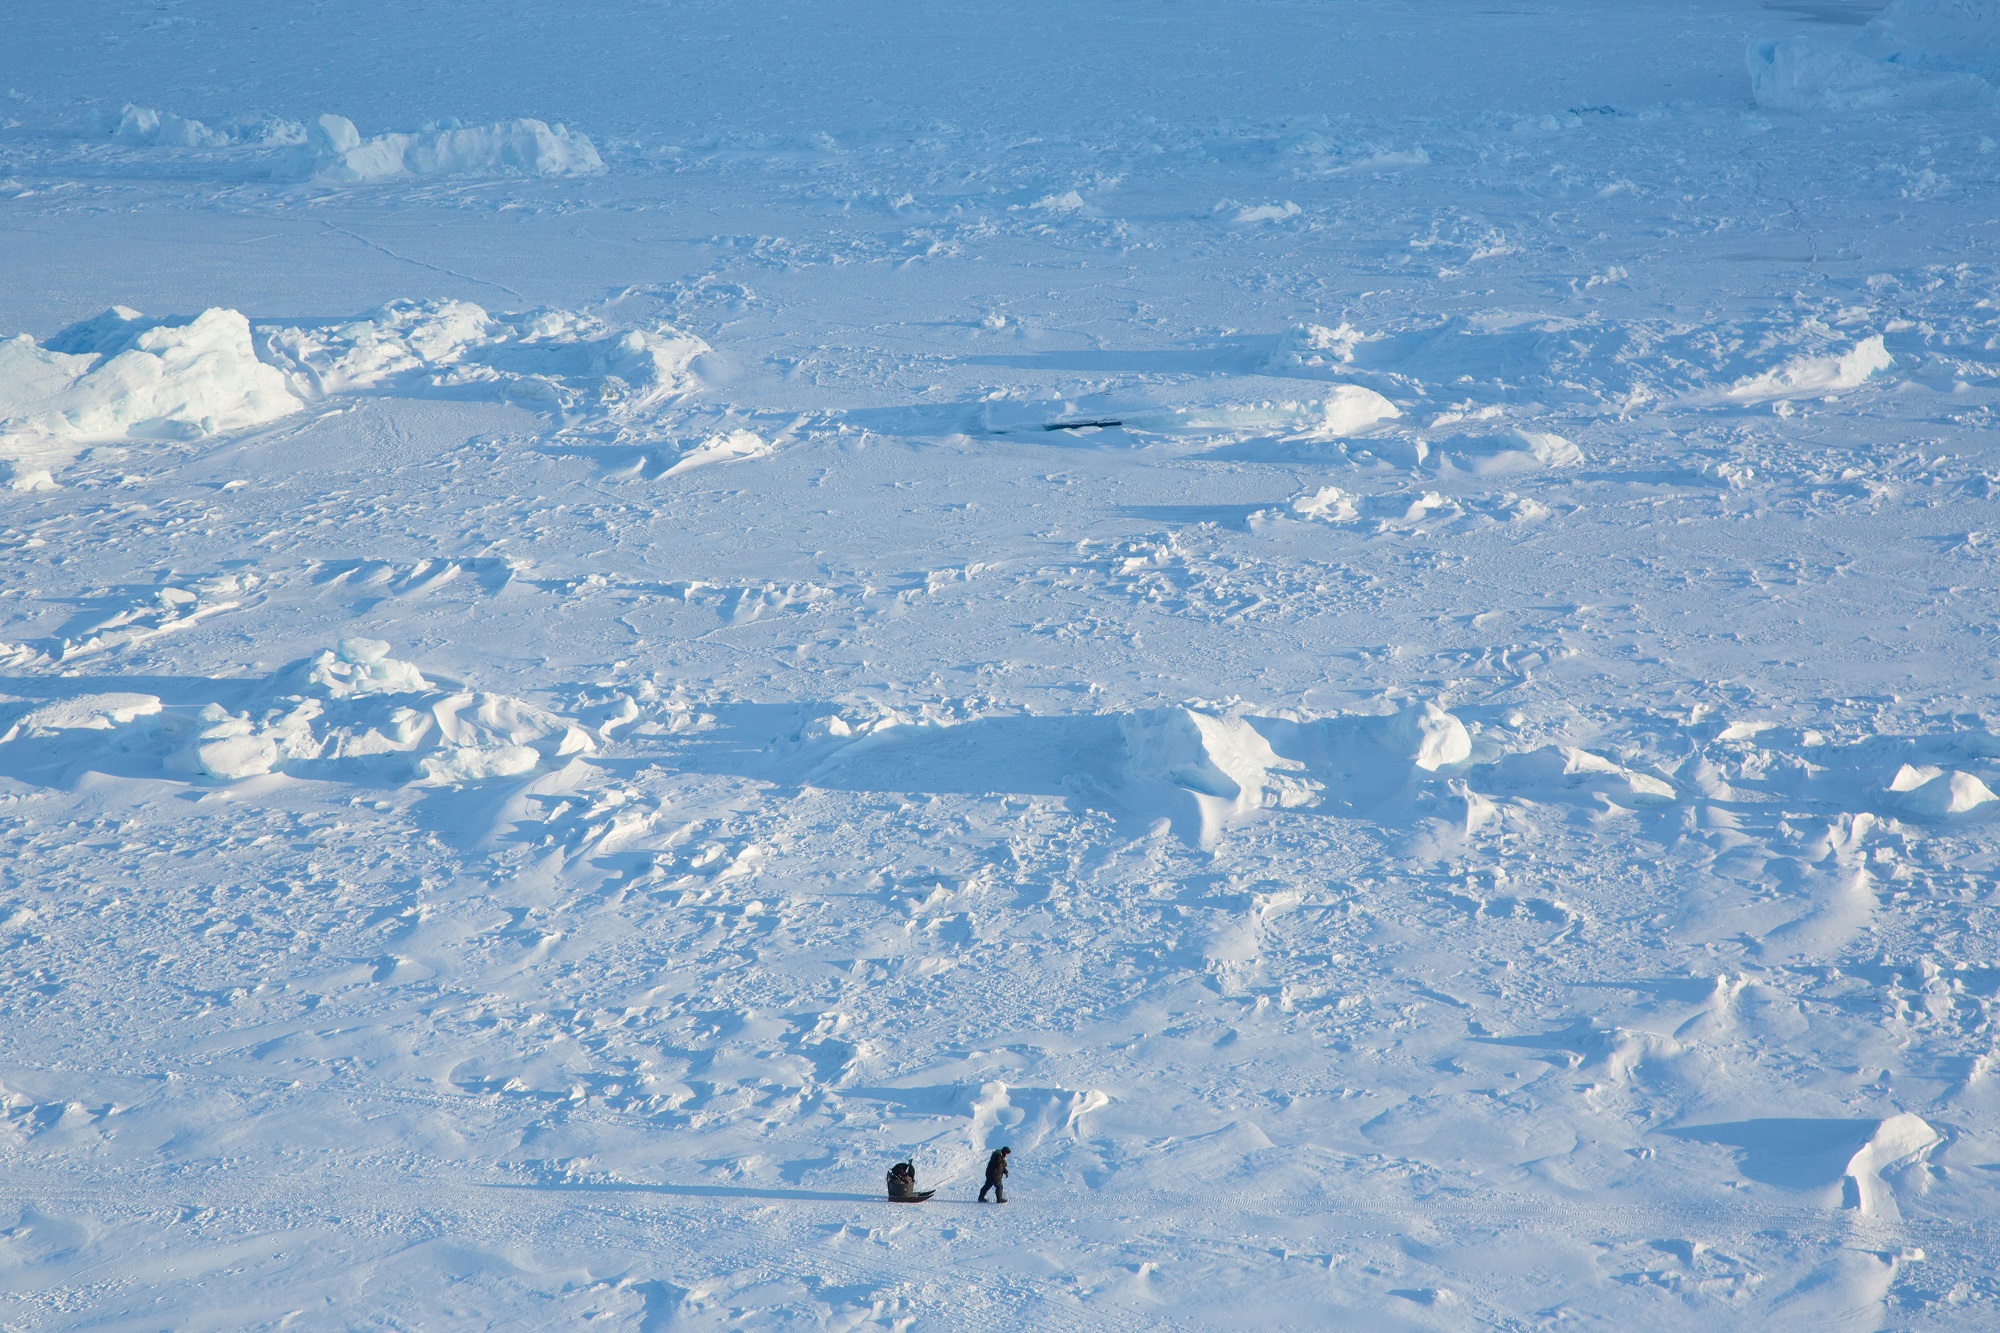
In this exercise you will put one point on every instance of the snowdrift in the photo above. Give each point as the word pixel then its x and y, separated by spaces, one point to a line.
pixel 1204 771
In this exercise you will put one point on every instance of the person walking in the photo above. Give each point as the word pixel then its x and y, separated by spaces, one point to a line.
pixel 996 1172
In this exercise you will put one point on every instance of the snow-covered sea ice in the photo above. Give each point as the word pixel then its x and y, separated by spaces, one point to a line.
pixel 1365 632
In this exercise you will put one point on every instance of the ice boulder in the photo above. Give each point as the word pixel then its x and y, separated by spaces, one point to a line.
pixel 361 666
pixel 227 747
pixel 1348 410
pixel 336 153
pixel 1896 1141
pixel 122 376
pixel 1938 794
pixel 1329 504
pixel 1202 770
pixel 1315 347
pixel 1431 737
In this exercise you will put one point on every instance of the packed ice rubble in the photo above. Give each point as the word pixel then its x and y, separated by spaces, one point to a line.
pixel 1311 347
pixel 349 712
pixel 329 150
pixel 1200 769
pixel 1466 370
pixel 124 376
pixel 1327 503
pixel 1203 770
pixel 1915 54
pixel 336 153
pixel 144 125
pixel 561 358
pixel 1936 34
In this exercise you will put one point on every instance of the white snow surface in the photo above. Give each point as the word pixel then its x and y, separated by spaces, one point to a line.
pixel 1364 631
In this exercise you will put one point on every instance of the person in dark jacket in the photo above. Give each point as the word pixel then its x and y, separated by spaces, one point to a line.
pixel 996 1172
pixel 903 1180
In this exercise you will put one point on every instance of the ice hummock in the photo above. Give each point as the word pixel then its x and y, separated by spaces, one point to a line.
pixel 1916 54
pixel 336 153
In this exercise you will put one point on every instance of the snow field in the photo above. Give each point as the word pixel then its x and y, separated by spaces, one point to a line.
pixel 1470 807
